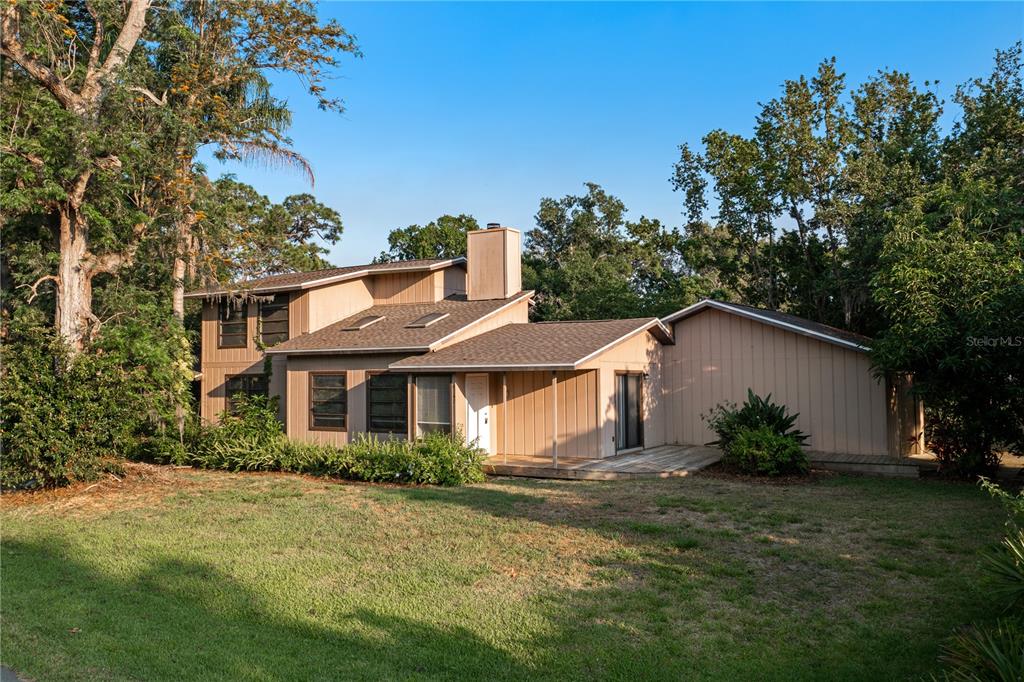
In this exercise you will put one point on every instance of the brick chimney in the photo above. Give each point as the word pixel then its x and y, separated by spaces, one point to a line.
pixel 493 263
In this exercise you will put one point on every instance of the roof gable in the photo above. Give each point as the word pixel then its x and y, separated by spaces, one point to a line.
pixel 536 345
pixel 798 325
pixel 396 330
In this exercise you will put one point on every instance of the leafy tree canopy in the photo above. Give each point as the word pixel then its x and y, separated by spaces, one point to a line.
pixel 441 238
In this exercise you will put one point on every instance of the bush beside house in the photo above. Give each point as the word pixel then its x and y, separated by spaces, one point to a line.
pixel 251 439
pixel 758 437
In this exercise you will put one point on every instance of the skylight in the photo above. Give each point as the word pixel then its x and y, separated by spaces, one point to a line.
pixel 426 320
pixel 363 323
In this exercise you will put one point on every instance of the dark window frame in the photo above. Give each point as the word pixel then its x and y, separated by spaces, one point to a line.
pixel 223 306
pixel 370 376
pixel 275 303
pixel 313 426
pixel 451 400
pixel 249 377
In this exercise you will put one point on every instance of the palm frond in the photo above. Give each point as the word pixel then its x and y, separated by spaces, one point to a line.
pixel 273 155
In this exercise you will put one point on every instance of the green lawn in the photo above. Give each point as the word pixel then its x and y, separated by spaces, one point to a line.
pixel 203 575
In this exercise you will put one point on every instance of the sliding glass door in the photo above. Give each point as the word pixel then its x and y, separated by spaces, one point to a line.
pixel 629 425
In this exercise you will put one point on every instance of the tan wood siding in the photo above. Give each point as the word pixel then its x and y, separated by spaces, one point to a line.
pixel 209 338
pixel 494 268
pixel 718 356
pixel 298 314
pixel 906 416
pixel 213 392
pixel 218 363
pixel 356 368
pixel 334 302
pixel 486 262
pixel 453 281
pixel 640 353
pixel 403 287
pixel 523 425
pixel 513 262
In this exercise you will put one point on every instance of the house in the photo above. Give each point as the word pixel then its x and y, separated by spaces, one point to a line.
pixel 401 349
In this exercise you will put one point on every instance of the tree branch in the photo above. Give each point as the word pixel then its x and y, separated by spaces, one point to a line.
pixel 34 288
pixel 12 48
pixel 110 263
pixel 134 24
pixel 160 101
pixel 97 39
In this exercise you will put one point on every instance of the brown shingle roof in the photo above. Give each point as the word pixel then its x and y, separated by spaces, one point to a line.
pixel 305 280
pixel 782 320
pixel 392 332
pixel 539 345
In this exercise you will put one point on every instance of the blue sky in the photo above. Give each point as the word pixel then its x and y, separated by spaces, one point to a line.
pixel 485 108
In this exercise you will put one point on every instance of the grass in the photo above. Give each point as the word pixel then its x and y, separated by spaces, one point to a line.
pixel 180 574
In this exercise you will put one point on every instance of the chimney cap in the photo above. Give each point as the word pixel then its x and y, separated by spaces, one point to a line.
pixel 493 226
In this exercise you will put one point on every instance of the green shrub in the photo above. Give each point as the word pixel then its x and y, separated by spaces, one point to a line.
pixel 1006 567
pixel 438 459
pixel 961 451
pixel 727 421
pixel 159 448
pixel 996 652
pixel 986 653
pixel 65 419
pixel 1013 504
pixel 250 439
pixel 447 460
pixel 764 452
pixel 758 438
pixel 1006 564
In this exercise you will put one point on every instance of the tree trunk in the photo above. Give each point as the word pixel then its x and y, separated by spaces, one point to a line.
pixel 74 287
pixel 178 295
pixel 184 257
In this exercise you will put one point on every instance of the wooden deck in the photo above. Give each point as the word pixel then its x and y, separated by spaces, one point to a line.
pixel 660 462
pixel 877 465
pixel 667 461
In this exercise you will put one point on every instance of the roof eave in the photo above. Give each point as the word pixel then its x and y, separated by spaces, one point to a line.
pixel 461 260
pixel 483 367
pixel 750 314
pixel 347 351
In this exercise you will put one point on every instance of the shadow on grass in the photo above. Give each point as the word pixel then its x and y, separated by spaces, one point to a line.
pixel 188 620
pixel 664 606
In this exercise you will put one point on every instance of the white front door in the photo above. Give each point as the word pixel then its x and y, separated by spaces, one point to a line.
pixel 478 411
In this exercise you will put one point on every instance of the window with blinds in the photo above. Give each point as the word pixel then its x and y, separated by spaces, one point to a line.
pixel 274 320
pixel 387 407
pixel 433 404
pixel 231 324
pixel 328 401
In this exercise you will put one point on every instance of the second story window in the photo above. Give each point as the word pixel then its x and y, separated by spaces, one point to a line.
pixel 231 324
pixel 274 319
